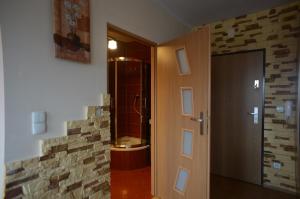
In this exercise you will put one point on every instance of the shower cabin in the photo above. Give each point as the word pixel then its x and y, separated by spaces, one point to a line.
pixel 129 87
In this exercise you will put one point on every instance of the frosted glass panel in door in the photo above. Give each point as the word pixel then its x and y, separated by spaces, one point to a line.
pixel 182 61
pixel 187 143
pixel 181 180
pixel 187 101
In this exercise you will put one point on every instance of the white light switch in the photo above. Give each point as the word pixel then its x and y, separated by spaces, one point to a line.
pixel 101 99
pixel 38 122
pixel 277 165
pixel 280 109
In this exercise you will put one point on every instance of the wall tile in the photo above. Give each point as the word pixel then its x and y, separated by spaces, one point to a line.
pixel 277 30
pixel 73 166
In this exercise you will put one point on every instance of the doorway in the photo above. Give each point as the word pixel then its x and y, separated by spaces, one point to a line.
pixel 238 126
pixel 237 115
pixel 180 124
pixel 129 85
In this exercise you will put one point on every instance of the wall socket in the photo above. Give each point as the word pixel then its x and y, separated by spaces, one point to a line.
pixel 276 165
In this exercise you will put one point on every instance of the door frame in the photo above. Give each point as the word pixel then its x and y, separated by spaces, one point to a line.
pixel 153 120
pixel 153 148
pixel 298 127
pixel 2 120
pixel 263 99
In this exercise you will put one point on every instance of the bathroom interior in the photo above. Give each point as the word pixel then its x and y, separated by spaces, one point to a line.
pixel 129 85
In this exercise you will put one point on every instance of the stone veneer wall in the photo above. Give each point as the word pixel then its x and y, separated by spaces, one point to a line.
pixel 277 30
pixel 74 166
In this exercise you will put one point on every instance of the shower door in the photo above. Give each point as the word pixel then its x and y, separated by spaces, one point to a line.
pixel 128 87
pixel 146 102
pixel 183 97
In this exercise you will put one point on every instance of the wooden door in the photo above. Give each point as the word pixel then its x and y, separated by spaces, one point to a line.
pixel 236 130
pixel 183 97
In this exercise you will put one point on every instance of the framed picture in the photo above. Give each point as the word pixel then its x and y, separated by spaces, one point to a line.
pixel 72 30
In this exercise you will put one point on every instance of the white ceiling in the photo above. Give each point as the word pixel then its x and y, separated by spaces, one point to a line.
pixel 198 12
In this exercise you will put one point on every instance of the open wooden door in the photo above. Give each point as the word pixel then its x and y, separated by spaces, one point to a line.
pixel 183 109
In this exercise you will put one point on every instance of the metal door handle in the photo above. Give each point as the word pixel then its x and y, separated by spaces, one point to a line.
pixel 200 120
pixel 254 114
pixel 197 119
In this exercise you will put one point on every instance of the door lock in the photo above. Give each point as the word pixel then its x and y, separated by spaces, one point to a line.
pixel 256 84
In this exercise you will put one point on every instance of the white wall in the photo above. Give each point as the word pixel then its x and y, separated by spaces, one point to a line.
pixel 35 80
pixel 2 169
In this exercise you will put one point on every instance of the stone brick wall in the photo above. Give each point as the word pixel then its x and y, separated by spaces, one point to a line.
pixel 277 30
pixel 73 166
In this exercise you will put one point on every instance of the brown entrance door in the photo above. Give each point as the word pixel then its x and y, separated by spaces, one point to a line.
pixel 237 104
pixel 183 97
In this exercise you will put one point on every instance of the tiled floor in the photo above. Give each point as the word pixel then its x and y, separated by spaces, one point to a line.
pixel 134 184
pixel 225 188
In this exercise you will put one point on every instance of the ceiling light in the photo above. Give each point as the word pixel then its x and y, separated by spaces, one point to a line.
pixel 112 45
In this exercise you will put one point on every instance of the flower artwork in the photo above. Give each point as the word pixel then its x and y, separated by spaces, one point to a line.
pixel 72 30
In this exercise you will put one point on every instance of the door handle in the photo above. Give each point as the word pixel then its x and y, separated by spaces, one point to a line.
pixel 254 114
pixel 200 120
pixel 197 119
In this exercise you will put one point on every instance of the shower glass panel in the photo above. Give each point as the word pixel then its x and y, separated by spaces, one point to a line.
pixel 128 87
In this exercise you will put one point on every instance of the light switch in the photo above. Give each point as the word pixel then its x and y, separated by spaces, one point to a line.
pixel 276 165
pixel 101 99
pixel 38 122
pixel 280 109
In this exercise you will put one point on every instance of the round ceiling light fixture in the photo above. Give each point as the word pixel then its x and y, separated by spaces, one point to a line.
pixel 112 44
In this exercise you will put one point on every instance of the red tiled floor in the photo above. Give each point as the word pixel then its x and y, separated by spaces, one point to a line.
pixel 133 184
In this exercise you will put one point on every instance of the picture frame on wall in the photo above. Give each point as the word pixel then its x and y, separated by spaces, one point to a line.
pixel 72 30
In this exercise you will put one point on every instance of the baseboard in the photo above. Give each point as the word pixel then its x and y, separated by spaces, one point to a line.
pixel 279 189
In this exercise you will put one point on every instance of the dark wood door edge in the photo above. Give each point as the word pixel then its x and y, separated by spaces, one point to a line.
pixel 298 127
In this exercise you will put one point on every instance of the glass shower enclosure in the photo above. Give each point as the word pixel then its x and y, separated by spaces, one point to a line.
pixel 129 87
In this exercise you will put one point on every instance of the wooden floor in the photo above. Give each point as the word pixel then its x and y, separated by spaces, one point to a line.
pixel 136 184
pixel 133 184
pixel 226 188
